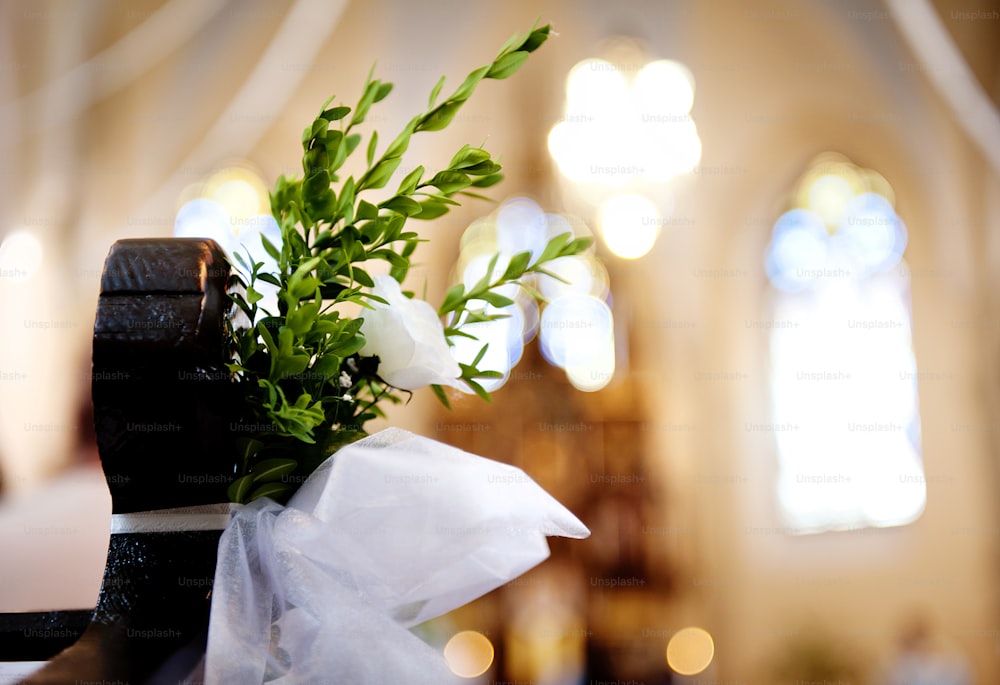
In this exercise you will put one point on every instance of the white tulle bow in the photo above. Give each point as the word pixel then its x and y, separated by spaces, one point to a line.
pixel 389 532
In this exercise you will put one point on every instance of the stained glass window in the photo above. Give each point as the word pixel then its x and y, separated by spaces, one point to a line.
pixel 843 372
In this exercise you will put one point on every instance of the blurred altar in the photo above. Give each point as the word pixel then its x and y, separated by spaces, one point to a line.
pixel 787 452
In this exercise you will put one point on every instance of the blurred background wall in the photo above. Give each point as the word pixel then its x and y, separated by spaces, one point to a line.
pixel 114 114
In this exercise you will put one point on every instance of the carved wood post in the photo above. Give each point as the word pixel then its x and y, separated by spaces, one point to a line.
pixel 163 406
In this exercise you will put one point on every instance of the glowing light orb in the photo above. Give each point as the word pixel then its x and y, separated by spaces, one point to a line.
pixel 690 651
pixel 21 256
pixel 574 330
pixel 469 654
pixel 665 86
pixel 629 225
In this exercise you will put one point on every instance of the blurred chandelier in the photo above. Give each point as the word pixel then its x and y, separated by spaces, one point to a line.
pixel 626 135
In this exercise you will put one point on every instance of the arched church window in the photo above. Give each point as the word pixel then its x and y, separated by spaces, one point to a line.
pixel 843 377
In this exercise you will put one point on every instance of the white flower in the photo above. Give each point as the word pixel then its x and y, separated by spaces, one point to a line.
pixel 408 338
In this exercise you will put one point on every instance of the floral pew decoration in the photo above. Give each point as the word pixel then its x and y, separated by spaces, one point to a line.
pixel 330 560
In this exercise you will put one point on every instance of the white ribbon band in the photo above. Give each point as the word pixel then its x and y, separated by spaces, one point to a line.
pixel 200 517
pixel 12 672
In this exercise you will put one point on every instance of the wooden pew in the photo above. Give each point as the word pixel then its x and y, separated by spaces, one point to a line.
pixel 163 411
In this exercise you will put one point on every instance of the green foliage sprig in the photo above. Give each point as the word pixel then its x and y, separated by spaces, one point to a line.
pixel 307 389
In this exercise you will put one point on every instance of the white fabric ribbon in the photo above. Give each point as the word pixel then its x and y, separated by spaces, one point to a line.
pixel 391 531
pixel 198 517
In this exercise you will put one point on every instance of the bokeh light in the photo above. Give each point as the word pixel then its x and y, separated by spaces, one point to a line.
pixel 798 250
pixel 21 256
pixel 629 225
pixel 597 372
pixel 504 338
pixel 664 86
pixel 579 274
pixel 204 218
pixel 469 654
pixel 239 189
pixel 231 208
pixel 840 226
pixel 626 135
pixel 828 196
pixel 594 86
pixel 613 134
pixel 574 322
pixel 690 651
pixel 874 235
pixel 521 227
pixel 574 329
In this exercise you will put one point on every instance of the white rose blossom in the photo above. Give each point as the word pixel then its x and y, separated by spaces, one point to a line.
pixel 408 338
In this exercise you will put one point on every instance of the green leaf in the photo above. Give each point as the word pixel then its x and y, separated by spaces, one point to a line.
pixel 328 365
pixel 365 103
pixel 402 205
pixel 275 491
pixel 577 246
pixel 469 84
pixel 487 181
pixel 515 268
pixel 507 65
pixel 266 337
pixel 248 447
pixel 351 346
pixel 439 393
pixel 383 90
pixel 479 357
pixel 362 277
pixel 253 297
pixel 468 156
pixel 302 319
pixel 319 128
pixel 410 181
pixel 453 332
pixel 496 299
pixel 450 182
pixel 483 284
pixel 452 299
pixel 478 389
pixel 371 147
pixel 345 205
pixel 269 247
pixel 335 113
pixel 273 470
pixel 440 116
pixel 554 247
pixel 379 175
pixel 366 211
pixel 402 142
pixel 388 255
pixel 536 38
pixel 289 365
pixel 513 42
pixel 435 92
pixel 238 489
pixel 351 142
pixel 484 168
pixel 431 209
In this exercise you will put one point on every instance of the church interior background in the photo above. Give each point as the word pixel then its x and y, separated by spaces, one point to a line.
pixel 788 451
